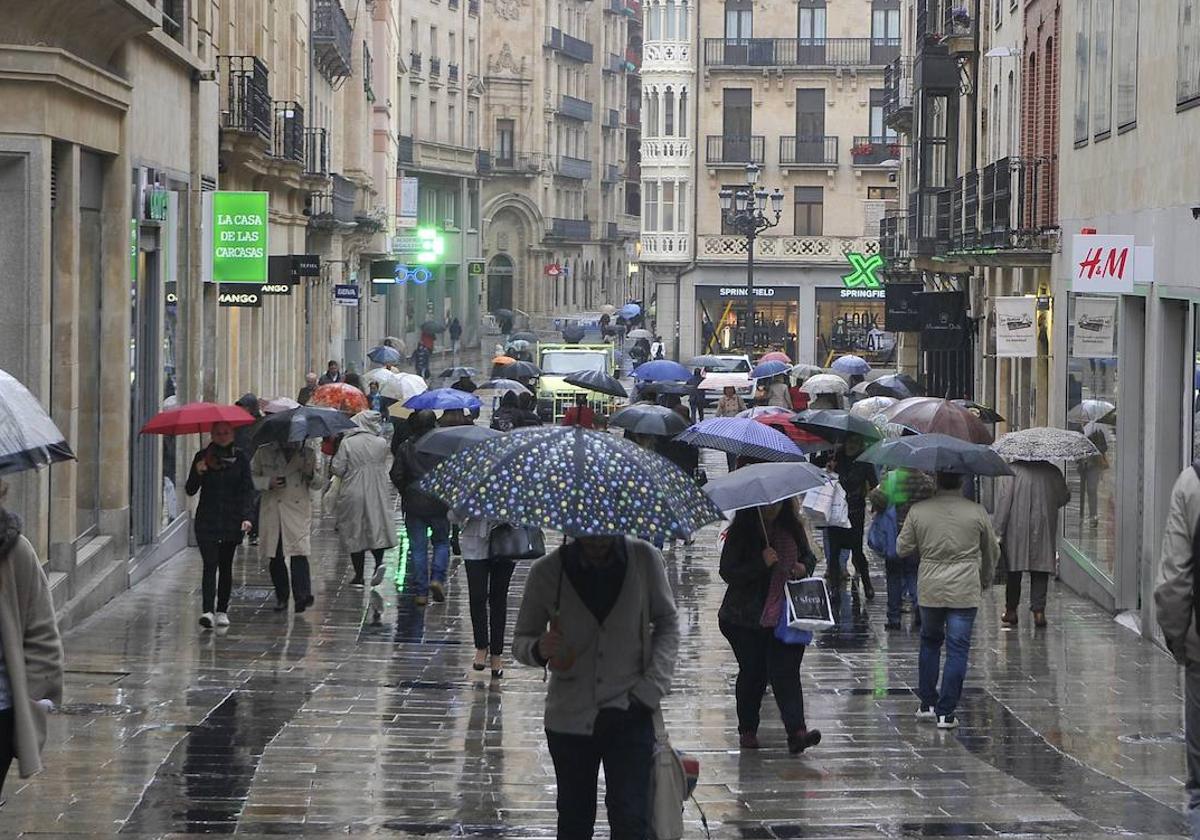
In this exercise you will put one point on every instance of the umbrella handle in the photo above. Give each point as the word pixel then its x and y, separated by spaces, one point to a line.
pixel 762 524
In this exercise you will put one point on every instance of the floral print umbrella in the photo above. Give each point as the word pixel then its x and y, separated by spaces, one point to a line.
pixel 573 480
pixel 341 396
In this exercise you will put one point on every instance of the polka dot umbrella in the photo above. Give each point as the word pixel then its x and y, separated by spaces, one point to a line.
pixel 574 480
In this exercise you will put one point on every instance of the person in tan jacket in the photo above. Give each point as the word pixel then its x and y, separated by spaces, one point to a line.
pixel 31 673
pixel 1174 598
pixel 958 551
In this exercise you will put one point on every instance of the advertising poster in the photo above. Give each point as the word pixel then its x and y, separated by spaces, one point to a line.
pixel 1095 327
pixel 239 237
pixel 1016 327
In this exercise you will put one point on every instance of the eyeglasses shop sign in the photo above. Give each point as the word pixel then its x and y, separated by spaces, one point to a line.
pixel 237 237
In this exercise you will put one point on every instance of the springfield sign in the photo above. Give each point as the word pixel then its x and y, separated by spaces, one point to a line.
pixel 236 248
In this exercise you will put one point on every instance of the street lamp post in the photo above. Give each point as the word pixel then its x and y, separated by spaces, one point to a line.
pixel 745 210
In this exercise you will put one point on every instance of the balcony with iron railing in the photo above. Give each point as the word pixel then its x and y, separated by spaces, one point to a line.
pixel 734 150
pixel 483 162
pixel 612 173
pixel 473 8
pixel 508 162
pixel 404 148
pixel 898 94
pixel 875 151
pixel 800 52
pixel 245 96
pixel 612 119
pixel 577 168
pixel 568 45
pixel 345 195
pixel 614 7
pixel 415 62
pixel 574 108
pixel 893 237
pixel 572 230
pixel 800 151
pixel 1004 207
pixel 958 29
pixel 289 132
pixel 614 63
pixel 452 73
pixel 435 67
pixel 332 39
pixel 316 152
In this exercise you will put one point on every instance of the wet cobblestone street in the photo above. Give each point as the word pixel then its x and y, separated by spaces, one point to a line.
pixel 323 725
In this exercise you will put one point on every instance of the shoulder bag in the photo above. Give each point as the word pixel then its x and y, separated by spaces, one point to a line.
pixel 515 542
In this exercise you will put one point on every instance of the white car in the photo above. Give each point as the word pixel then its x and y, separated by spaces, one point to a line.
pixel 732 364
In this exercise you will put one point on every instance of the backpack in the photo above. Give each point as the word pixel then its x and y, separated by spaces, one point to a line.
pixel 882 537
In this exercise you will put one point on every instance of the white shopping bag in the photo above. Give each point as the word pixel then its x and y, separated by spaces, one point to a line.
pixel 826 507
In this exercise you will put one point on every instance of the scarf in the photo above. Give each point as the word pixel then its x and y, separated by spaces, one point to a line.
pixel 784 544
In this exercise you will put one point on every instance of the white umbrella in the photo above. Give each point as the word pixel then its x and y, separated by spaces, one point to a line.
pixel 1045 444
pixel 396 386
pixel 804 370
pixel 871 406
pixel 279 404
pixel 1091 411
pixel 825 383
pixel 719 381
pixel 636 334
pixel 28 437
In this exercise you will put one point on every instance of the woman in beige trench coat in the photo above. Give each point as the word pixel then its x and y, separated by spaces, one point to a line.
pixel 364 510
pixel 285 474
pixel 33 657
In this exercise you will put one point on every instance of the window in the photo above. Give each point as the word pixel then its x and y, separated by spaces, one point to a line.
pixel 505 137
pixel 669 113
pixel 668 206
pixel 452 124
pixel 472 130
pixel 810 112
pixel 653 23
pixel 651 123
pixel 433 121
pixel 1126 57
pixel 472 57
pixel 1082 57
pixel 414 114
pixel 999 19
pixel 1102 35
pixel 885 22
pixel 453 56
pixel 650 211
pixel 670 30
pixel 682 132
pixel 876 127
pixel 883 193
pixel 681 206
pixel 810 23
pixel 739 20
pixel 810 211
pixel 414 35
pixel 473 206
pixel 1187 89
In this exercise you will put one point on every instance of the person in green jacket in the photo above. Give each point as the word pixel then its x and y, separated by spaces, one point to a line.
pixel 958 551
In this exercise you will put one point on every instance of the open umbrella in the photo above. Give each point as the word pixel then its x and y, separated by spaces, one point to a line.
pixel 199 417
pixel 932 414
pixel 765 370
pixel 502 313
pixel 432 327
pixel 1093 411
pixel 573 480
pixel 279 404
pixel 775 356
pixel 743 437
pixel 598 381
pixel 630 310
pixel 936 453
pixel 520 345
pixel 573 333
pixel 649 420
pixel 783 423
pixel 608 309
pixel 763 410
pixel 850 365
pixel 706 361
pixel 720 381
pixel 804 371
pixel 384 355
pixel 28 437
pixel 396 386
pixel 835 425
pixel 1044 444
pixel 343 397
pixel 458 373
pixel 899 385
pixel 871 406
pixel 656 389
pixel 637 334
pixel 442 443
pixel 983 412
pixel 520 370
pixel 763 484
pixel 300 424
pixel 662 370
pixel 524 335
pixel 825 383
pixel 443 399
pixel 501 361
pixel 502 386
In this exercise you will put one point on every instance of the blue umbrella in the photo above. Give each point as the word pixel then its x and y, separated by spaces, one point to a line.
pixel 850 365
pixel 384 355
pixel 768 369
pixel 744 437
pixel 630 310
pixel 442 399
pixel 573 480
pixel 662 370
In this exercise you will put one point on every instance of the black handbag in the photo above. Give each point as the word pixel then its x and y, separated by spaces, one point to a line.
pixel 515 542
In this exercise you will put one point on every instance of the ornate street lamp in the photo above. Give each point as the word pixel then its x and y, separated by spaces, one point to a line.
pixel 745 210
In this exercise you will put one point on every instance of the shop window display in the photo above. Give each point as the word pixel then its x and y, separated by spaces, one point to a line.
pixel 852 321
pixel 722 321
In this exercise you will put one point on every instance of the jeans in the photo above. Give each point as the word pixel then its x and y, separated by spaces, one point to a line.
pixel 1191 725
pixel 358 559
pixel 623 741
pixel 487 585
pixel 217 580
pixel 899 584
pixel 953 626
pixel 418 541
pixel 763 659
pixel 1039 582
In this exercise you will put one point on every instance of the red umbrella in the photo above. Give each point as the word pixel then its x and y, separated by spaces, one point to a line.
pixel 341 396
pixel 775 356
pixel 196 417
pixel 782 422
pixel 932 414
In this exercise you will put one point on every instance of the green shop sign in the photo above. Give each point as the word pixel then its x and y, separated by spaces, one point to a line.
pixel 239 237
pixel 862 275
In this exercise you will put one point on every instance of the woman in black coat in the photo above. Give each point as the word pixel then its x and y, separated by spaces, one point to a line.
pixel 221 475
pixel 764 548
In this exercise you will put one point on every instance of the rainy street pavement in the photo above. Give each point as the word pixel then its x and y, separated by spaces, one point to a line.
pixel 321 725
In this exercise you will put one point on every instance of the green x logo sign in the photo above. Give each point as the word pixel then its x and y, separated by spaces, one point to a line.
pixel 864 272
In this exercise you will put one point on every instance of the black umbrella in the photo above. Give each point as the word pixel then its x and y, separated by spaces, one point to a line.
pixel 573 333
pixel 677 389
pixel 649 420
pixel 433 327
pixel 598 381
pixel 523 336
pixel 898 385
pixel 835 425
pixel 936 453
pixel 519 370
pixel 983 412
pixel 442 443
pixel 458 373
pixel 502 313
pixel 299 424
pixel 763 484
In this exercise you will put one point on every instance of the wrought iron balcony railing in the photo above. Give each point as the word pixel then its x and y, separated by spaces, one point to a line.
pixel 800 52
pixel 571 229
pixel 735 149
pixel 332 39
pixel 575 108
pixel 289 132
pixel 316 151
pixel 808 151
pixel 245 95
pixel 872 151
pixel 577 168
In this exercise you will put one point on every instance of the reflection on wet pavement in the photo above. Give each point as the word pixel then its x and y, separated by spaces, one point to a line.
pixel 321 724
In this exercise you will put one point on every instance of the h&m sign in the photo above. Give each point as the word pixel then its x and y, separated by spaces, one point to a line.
pixel 1103 264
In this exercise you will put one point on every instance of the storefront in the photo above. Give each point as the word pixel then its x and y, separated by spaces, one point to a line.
pixel 852 321
pixel 721 323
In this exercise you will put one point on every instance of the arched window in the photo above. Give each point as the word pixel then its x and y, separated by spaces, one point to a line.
pixel 669 112
pixel 652 121
pixel 994 151
pixel 653 25
pixel 682 130
pixel 684 21
pixel 1013 128
pixel 669 29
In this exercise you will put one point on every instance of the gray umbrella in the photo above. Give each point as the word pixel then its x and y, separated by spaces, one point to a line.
pixel 299 424
pixel 523 336
pixel 649 420
pixel 835 425
pixel 936 453
pixel 763 484
pixel 28 437
pixel 573 333
pixel 442 443
pixel 1045 444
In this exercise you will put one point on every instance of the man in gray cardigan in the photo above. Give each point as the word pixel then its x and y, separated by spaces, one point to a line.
pixel 600 615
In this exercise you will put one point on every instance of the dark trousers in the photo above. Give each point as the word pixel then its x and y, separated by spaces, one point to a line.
pixel 358 559
pixel 217 581
pixel 1039 582
pixel 487 583
pixel 623 741
pixel 300 582
pixel 762 659
pixel 7 743
pixel 846 539
pixel 1191 729
pixel 899 584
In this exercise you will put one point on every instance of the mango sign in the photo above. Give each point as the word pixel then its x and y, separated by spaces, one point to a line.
pixel 1103 264
pixel 239 237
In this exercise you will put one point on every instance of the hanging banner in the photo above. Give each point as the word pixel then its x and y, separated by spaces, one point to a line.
pixel 237 251
pixel 407 215
pixel 345 294
pixel 1104 264
pixel 1095 328
pixel 240 295
pixel 1016 327
pixel 943 320
pixel 902 312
